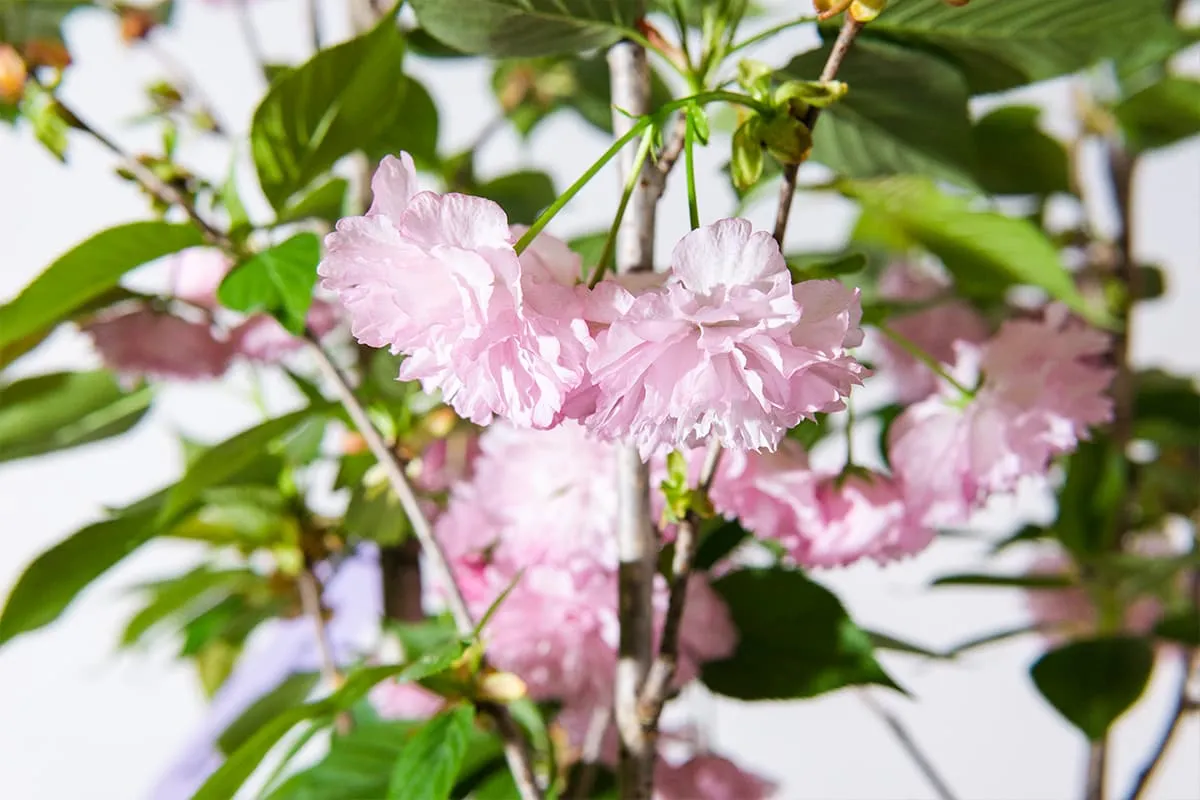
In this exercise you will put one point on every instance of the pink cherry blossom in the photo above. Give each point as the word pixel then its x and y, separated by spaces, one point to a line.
pixel 709 777
pixel 727 348
pixel 445 462
pixel 1043 387
pixel 262 339
pixel 393 700
pixel 156 344
pixel 436 277
pixel 196 273
pixel 934 329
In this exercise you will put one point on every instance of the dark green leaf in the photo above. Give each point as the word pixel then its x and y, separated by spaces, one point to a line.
pixel 717 541
pixel 795 640
pixel 248 517
pixel 88 270
pixel 326 202
pixel 989 638
pixel 526 27
pixel 54 412
pixel 429 763
pixel 1167 408
pixel 292 691
pixel 412 127
pixel 375 514
pixel 883 641
pixel 819 266
pixel 357 767
pixel 984 250
pixel 873 131
pixel 57 576
pixel 1010 581
pixel 1181 626
pixel 420 43
pixel 1094 681
pixel 222 461
pixel 522 194
pixel 1161 114
pixel 278 280
pixel 1089 500
pixel 999 44
pixel 1016 157
pixel 343 99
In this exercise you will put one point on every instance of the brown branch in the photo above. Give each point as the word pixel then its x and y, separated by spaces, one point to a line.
pixel 400 568
pixel 1097 768
pixel 310 602
pixel 787 189
pixel 669 156
pixel 637 544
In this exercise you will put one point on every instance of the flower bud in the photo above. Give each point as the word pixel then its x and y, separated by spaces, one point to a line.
pixel 830 8
pixel 353 444
pixel 12 75
pixel 46 53
pixel 136 24
pixel 866 10
pixel 500 687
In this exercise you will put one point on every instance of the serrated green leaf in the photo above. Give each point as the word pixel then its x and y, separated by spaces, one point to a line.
pixel 985 251
pixel 795 640
pixel 278 280
pixel 87 271
pixel 526 27
pixel 343 99
pixel 1093 682
pixel 57 576
pixel 1162 114
pixel 1015 156
pixel 48 413
pixel 430 762
pixel 1000 44
pixel 873 131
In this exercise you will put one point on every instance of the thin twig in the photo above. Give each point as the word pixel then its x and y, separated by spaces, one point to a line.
pixel 183 77
pixel 1097 768
pixel 787 189
pixel 910 746
pixel 662 671
pixel 310 602
pixel 250 37
pixel 670 154
pixel 637 543
pixel 593 746
pixel 314 24
pixel 515 748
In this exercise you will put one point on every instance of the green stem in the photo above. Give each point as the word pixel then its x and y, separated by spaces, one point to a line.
pixel 849 432
pixel 703 98
pixel 769 32
pixel 919 354
pixel 690 167
pixel 635 175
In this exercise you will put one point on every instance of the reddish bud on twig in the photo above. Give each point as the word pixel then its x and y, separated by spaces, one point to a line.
pixel 136 24
pixel 12 75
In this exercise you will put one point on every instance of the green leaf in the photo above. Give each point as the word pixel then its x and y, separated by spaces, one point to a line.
pixel 1167 408
pixel 809 267
pixel 994 637
pixel 1016 157
pixel 325 202
pixel 526 27
pixel 357 766
pixel 884 641
pixel 345 98
pixel 1088 502
pixel 240 764
pixel 999 44
pixel 57 576
pixel 375 514
pixel 1181 626
pixel 1162 114
pixel 1092 682
pixel 873 131
pixel 292 691
pixel 24 20
pixel 41 109
pixel 181 595
pixel 87 271
pixel 278 280
pixel 746 161
pixel 523 195
pixel 54 412
pixel 429 763
pixel 717 541
pixel 795 640
pixel 1009 581
pixel 984 250
pixel 589 247
pixel 222 461
pixel 412 127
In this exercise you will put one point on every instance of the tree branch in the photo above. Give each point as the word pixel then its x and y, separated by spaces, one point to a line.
pixel 310 602
pixel 637 543
pixel 1097 768
pixel 910 746
pixel 787 189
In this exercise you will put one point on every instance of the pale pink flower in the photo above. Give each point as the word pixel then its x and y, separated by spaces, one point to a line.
pixel 262 339
pixel 1042 387
pixel 395 700
pixel 196 273
pixel 141 342
pixel 769 493
pixel 727 348
pixel 445 462
pixel 709 777
pixel 934 329
pixel 436 277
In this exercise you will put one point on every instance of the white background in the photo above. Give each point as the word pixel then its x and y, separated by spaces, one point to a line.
pixel 78 720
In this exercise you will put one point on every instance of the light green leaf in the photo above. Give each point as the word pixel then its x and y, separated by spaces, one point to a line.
pixel 224 460
pixel 873 131
pixel 57 576
pixel 526 27
pixel 1018 157
pixel 278 280
pixel 41 109
pixel 183 594
pixel 1161 114
pixel 88 270
pixel 54 412
pixel 1094 681
pixel 325 202
pixel 343 99
pixel 984 250
pixel 292 691
pixel 358 765
pixel 795 640
pixel 999 44
pixel 429 763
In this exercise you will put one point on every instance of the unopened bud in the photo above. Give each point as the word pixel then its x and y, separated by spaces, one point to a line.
pixel 46 53
pixel 440 422
pixel 866 10
pixel 830 8
pixel 353 444
pixel 136 24
pixel 12 75
pixel 500 687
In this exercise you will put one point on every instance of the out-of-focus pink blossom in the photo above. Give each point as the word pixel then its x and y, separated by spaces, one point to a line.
pixel 436 277
pixel 196 273
pixel 709 777
pixel 141 342
pixel 262 339
pixel 727 348
pixel 393 700
pixel 934 329
pixel 1043 386
pixel 445 462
